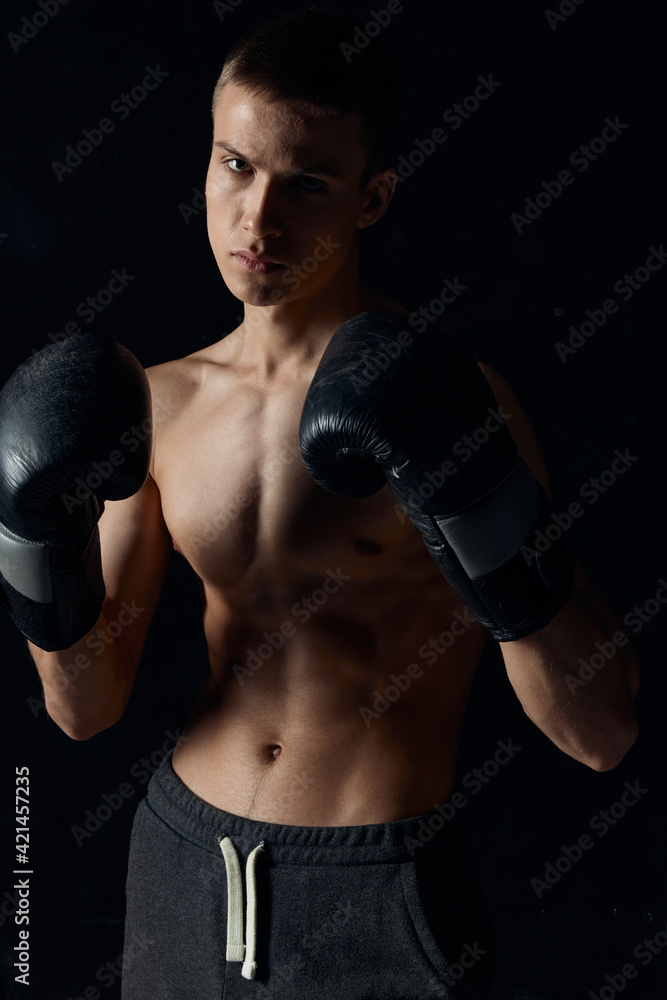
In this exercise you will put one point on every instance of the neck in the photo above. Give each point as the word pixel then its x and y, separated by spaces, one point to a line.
pixel 294 334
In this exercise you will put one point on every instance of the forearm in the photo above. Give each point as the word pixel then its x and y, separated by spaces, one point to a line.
pixel 576 679
pixel 62 410
pixel 86 687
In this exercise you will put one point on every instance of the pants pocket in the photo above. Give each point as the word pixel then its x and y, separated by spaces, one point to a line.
pixel 445 902
pixel 343 932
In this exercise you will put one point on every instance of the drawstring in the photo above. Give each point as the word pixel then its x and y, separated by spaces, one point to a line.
pixel 237 951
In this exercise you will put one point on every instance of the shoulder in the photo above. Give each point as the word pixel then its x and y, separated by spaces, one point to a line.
pixel 175 383
pixel 172 384
pixel 174 387
pixel 177 386
pixel 519 425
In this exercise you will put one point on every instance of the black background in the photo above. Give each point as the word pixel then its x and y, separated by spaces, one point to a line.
pixel 127 206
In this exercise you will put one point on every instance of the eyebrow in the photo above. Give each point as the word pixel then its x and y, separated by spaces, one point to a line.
pixel 320 167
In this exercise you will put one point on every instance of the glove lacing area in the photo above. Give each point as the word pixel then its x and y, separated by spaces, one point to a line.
pixel 237 950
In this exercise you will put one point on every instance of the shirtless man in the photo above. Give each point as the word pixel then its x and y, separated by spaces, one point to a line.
pixel 311 602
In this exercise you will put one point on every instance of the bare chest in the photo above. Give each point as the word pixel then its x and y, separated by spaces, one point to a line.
pixel 240 504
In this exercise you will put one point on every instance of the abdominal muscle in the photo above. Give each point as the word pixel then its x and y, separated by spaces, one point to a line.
pixel 305 739
pixel 313 730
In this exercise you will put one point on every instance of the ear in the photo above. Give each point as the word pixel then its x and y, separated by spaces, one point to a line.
pixel 377 196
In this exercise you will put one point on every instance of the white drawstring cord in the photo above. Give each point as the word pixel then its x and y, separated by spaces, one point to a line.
pixel 250 965
pixel 237 951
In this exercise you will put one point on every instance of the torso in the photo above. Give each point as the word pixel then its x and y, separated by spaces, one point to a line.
pixel 311 603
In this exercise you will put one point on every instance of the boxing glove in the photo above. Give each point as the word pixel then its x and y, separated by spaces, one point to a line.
pixel 415 411
pixel 75 429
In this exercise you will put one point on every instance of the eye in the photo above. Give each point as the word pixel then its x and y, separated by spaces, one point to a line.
pixel 321 186
pixel 234 159
pixel 310 185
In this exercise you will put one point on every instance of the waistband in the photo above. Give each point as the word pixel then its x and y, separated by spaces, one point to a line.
pixel 217 830
pixel 204 825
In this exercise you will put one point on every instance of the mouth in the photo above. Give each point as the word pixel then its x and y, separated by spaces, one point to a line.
pixel 259 266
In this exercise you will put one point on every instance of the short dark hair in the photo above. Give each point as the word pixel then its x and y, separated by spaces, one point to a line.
pixel 306 56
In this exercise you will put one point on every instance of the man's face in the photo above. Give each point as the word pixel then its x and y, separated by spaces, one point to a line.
pixel 286 187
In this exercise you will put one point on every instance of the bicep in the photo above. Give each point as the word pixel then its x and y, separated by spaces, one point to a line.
pixel 135 545
pixel 528 447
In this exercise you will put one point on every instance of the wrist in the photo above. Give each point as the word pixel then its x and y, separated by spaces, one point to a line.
pixel 54 588
pixel 487 553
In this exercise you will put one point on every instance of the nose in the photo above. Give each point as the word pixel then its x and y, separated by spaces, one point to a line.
pixel 261 211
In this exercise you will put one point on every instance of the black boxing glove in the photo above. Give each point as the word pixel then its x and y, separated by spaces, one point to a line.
pixel 75 429
pixel 389 406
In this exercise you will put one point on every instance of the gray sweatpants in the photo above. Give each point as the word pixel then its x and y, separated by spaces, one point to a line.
pixel 220 906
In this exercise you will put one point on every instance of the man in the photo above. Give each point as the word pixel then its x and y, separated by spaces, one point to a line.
pixel 312 601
